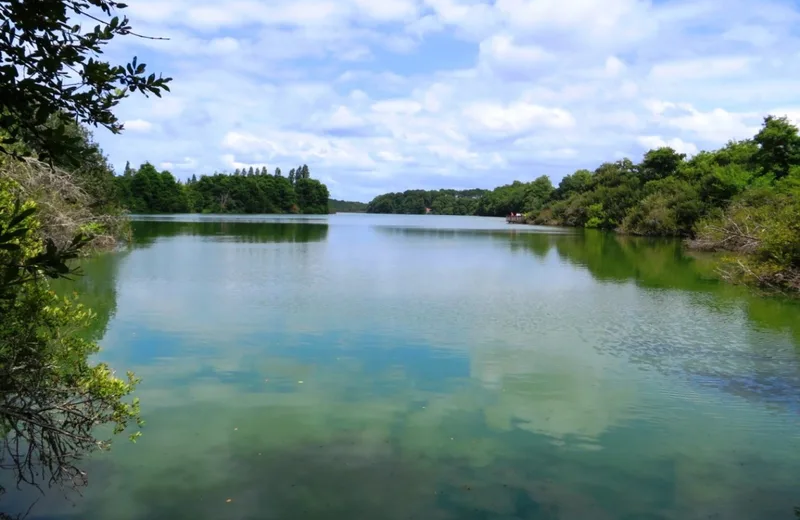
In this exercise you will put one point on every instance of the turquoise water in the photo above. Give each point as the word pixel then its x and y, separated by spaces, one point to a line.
pixel 393 367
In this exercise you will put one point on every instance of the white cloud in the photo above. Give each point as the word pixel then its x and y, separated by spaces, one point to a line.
pixel 390 156
pixel 701 68
pixel 756 35
pixel 436 93
pixel 397 106
pixel 138 125
pixel 502 48
pixel 793 113
pixel 387 10
pixel 614 66
pixel 517 117
pixel 187 163
pixel 343 118
pixel 229 160
pixel 295 146
pixel 606 24
pixel 717 125
pixel 651 142
pixel 224 45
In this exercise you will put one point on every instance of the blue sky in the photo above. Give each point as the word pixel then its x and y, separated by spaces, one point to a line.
pixel 387 95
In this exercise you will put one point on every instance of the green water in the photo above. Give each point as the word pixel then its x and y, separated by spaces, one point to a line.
pixel 388 367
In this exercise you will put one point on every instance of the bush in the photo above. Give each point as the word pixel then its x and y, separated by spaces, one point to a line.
pixel 764 228
pixel 65 209
pixel 51 397
pixel 671 208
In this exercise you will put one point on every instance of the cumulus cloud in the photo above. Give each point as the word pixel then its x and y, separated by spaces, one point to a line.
pixel 187 163
pixel 701 68
pixel 504 57
pixel 650 142
pixel 517 117
pixel 138 125
pixel 463 93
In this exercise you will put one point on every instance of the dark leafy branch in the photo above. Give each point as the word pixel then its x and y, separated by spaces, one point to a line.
pixel 52 67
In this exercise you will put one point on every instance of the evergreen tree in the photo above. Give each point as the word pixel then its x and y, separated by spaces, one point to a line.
pixel 250 172
pixel 237 172
pixel 128 170
pixel 304 173
pixel 292 177
pixel 278 172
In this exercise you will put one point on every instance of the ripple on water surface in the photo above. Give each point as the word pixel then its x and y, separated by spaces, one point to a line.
pixel 439 368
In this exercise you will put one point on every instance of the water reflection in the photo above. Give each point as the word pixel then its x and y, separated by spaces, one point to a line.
pixel 744 360
pixel 393 371
pixel 146 232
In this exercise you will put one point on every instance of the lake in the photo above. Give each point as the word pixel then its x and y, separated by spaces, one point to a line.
pixel 384 367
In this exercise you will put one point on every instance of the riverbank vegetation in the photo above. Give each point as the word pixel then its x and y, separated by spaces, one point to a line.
pixel 57 200
pixel 743 198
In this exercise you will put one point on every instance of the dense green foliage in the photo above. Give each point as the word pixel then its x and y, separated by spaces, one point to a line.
pixel 146 190
pixel 744 197
pixel 346 206
pixel 515 197
pixel 57 194
pixel 51 396
pixel 666 194
pixel 418 202
pixel 518 196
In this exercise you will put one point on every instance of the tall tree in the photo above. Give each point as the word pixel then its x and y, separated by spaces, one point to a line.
pixel 312 196
pixel 292 176
pixel 250 172
pixel 660 163
pixel 779 146
pixel 278 172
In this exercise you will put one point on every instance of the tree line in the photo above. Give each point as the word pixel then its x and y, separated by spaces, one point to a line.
pixel 147 190
pixel 346 206
pixel 742 198
pixel 441 202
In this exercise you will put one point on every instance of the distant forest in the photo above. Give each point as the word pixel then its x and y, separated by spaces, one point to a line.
pixel 147 190
pixel 440 202
pixel 346 206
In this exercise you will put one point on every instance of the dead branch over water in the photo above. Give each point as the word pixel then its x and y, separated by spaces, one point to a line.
pixel 65 209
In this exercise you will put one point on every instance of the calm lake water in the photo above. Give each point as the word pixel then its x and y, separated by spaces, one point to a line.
pixel 415 367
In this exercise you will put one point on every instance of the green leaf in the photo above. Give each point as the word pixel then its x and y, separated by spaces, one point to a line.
pixel 15 234
pixel 21 216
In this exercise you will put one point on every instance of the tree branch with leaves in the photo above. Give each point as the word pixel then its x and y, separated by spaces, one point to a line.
pixel 51 67
pixel 53 81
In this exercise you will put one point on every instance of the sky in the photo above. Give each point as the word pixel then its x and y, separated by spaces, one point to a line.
pixel 389 95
